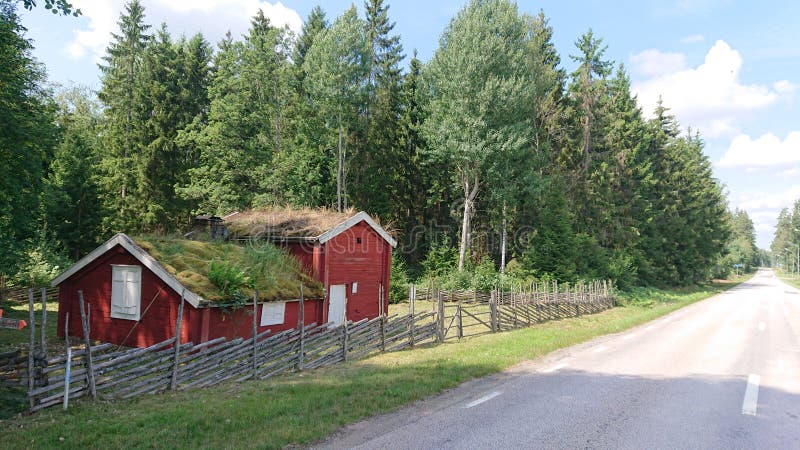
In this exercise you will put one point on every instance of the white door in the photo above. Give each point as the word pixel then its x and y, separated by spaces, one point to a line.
pixel 337 304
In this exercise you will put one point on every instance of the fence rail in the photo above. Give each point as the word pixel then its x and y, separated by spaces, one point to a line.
pixel 105 371
pixel 469 313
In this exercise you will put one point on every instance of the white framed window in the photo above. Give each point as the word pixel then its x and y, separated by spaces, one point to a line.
pixel 126 292
pixel 273 313
pixel 355 287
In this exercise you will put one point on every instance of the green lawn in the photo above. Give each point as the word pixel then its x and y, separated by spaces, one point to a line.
pixel 299 409
pixel 789 278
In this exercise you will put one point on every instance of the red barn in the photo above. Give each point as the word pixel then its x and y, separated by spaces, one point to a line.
pixel 134 286
pixel 349 253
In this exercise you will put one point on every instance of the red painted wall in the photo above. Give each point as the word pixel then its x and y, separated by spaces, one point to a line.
pixel 309 255
pixel 240 323
pixel 159 309
pixel 366 262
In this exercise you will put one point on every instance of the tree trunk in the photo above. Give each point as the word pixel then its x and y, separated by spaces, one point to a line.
pixel 470 192
pixel 339 168
pixel 503 243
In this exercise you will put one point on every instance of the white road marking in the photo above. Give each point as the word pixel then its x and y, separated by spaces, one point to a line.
pixel 485 398
pixel 601 349
pixel 554 368
pixel 750 403
pixel 762 326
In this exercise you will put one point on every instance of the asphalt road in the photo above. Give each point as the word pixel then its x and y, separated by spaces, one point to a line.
pixel 721 373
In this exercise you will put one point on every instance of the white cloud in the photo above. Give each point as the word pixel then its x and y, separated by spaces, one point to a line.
pixel 764 208
pixel 213 17
pixel 790 173
pixel 761 202
pixel 766 150
pixel 784 87
pixel 652 62
pixel 94 38
pixel 693 39
pixel 709 97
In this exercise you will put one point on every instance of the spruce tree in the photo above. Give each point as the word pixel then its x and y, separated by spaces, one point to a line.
pixel 122 94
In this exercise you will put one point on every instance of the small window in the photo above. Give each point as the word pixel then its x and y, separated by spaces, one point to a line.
pixel 126 292
pixel 358 240
pixel 355 288
pixel 272 313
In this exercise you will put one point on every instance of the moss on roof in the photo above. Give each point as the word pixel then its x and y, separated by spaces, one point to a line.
pixel 202 266
pixel 286 221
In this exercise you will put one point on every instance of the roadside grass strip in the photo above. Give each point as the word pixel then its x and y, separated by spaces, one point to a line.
pixel 303 408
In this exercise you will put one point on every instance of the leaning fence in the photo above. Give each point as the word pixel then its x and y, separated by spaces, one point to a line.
pixel 461 313
pixel 105 371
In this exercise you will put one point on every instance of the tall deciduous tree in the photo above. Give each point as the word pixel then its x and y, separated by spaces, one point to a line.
pixel 481 97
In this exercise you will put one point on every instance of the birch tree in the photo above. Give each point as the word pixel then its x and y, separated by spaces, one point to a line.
pixel 481 97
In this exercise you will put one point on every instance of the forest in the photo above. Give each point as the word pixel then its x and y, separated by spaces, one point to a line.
pixel 785 247
pixel 490 161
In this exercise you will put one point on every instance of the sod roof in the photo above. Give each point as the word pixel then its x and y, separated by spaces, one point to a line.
pixel 258 265
pixel 285 221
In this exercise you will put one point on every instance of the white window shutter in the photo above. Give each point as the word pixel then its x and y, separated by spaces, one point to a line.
pixel 126 292
pixel 117 289
pixel 273 313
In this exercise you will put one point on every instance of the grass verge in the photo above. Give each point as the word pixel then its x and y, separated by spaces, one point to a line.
pixel 790 279
pixel 300 409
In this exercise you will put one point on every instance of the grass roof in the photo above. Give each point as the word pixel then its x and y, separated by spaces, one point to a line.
pixel 221 272
pixel 286 221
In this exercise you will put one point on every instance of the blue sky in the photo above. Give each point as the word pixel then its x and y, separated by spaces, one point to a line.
pixel 728 68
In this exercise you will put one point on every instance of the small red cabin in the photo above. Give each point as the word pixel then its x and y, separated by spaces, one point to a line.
pixel 135 295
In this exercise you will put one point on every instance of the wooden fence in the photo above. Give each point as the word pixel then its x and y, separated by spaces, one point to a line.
pixel 103 371
pixel 469 313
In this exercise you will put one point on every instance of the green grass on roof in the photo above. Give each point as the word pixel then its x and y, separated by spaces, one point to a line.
pixel 263 266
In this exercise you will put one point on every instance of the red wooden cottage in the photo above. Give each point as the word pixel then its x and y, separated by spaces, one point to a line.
pixel 134 285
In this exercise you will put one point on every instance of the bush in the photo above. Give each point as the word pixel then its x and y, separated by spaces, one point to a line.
pixel 398 281
pixel 44 261
pixel 227 277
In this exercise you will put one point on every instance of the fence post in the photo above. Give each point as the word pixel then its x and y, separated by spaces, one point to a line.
pixel 174 383
pixel 44 322
pixel 255 332
pixel 301 324
pixel 88 345
pixel 440 315
pixel 493 310
pixel 68 364
pixel 32 345
pixel 460 323
pixel 411 298
pixel 344 341
pixel 383 320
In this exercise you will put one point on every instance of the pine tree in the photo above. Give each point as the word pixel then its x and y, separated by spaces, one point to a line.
pixel 125 113
pixel 246 121
pixel 71 196
pixel 174 91
pixel 336 67
pixel 375 177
